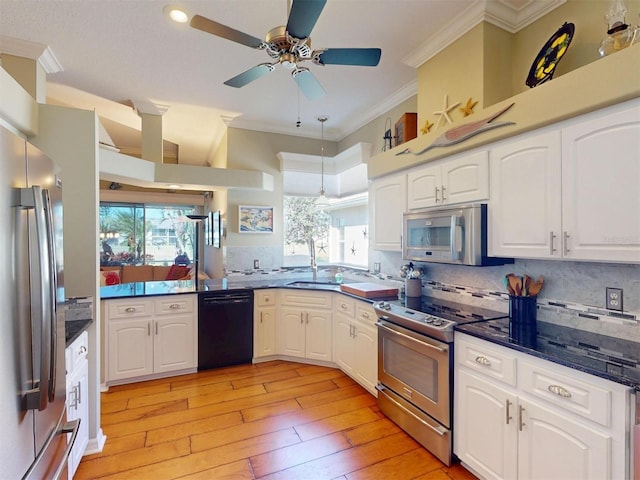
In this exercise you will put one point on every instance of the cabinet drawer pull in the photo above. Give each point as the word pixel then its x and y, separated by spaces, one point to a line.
pixel 156 328
pixel 343 306
pixel 507 405
pixel 443 190
pixel 560 391
pixel 484 361
pixel 148 329
pixel 261 317
pixel 521 423
pixel 174 306
pixel 79 394
pixel 566 243
pixel 130 309
pixel 365 314
pixel 437 190
pixel 552 241
pixel 301 317
pixel 266 299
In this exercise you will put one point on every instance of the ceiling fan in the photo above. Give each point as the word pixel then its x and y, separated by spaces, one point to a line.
pixel 290 46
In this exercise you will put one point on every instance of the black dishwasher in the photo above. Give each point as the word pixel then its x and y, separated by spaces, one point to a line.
pixel 225 328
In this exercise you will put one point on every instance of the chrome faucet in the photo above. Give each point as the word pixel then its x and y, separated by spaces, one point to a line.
pixel 314 268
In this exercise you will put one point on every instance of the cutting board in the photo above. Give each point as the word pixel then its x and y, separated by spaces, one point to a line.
pixel 369 290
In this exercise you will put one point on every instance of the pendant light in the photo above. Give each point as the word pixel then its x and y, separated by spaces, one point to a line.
pixel 322 200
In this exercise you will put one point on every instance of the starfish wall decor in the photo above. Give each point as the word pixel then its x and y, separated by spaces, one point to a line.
pixel 444 113
pixel 468 108
pixel 427 127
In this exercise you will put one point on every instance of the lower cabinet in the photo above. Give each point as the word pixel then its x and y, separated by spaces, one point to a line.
pixel 517 416
pixel 356 341
pixel 306 325
pixel 77 367
pixel 152 336
pixel 264 320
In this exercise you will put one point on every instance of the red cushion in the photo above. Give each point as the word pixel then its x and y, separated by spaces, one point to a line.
pixel 176 272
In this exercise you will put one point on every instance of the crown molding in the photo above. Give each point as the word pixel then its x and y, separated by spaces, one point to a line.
pixel 35 51
pixel 510 15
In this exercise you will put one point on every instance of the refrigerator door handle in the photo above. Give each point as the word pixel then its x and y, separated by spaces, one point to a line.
pixel 53 282
pixel 71 427
pixel 41 327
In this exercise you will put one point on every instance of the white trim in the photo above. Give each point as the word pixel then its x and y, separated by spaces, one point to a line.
pixel 32 50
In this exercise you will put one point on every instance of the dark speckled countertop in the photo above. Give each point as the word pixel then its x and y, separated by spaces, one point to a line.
pixel 74 328
pixel 613 358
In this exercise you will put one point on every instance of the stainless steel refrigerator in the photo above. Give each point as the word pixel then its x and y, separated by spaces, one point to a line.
pixel 35 437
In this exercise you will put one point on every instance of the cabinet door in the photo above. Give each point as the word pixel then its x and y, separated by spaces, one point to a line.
pixel 265 332
pixel 78 407
pixel 366 356
pixel 466 179
pixel 387 201
pixel 130 349
pixel 175 345
pixel 601 187
pixel 524 214
pixel 424 187
pixel 344 344
pixel 554 447
pixel 485 428
pixel 292 333
pixel 319 335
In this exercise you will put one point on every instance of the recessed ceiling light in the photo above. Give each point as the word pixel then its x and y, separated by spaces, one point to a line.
pixel 176 13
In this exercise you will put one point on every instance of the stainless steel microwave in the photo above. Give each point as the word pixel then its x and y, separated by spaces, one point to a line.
pixel 455 235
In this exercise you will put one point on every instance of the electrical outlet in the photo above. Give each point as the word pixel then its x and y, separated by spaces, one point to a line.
pixel 376 267
pixel 256 264
pixel 614 299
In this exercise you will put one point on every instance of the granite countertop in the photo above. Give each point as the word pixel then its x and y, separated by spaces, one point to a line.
pixel 74 328
pixel 142 289
pixel 612 358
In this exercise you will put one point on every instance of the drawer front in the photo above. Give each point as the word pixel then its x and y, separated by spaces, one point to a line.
pixel 345 305
pixel 76 352
pixel 488 360
pixel 365 313
pixel 563 389
pixel 173 304
pixel 265 298
pixel 133 308
pixel 302 298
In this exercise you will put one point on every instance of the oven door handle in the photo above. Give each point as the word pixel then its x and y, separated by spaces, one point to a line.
pixel 422 342
pixel 440 431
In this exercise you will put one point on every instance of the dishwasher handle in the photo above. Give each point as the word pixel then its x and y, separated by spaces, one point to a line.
pixel 227 299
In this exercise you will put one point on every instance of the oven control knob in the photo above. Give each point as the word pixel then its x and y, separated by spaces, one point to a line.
pixel 437 322
pixel 384 305
pixel 428 319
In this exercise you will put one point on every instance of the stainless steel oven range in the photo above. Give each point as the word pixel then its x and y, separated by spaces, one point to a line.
pixel 415 361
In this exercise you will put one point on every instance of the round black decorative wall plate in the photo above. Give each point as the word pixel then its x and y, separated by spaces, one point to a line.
pixel 547 59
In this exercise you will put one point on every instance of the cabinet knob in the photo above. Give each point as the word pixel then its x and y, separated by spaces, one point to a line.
pixel 484 361
pixel 174 306
pixel 343 306
pixel 559 390
pixel 82 350
pixel 130 309
pixel 365 314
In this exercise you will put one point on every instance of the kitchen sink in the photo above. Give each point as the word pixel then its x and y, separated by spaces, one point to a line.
pixel 313 284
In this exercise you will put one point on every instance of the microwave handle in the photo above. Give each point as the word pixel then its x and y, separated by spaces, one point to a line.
pixel 455 238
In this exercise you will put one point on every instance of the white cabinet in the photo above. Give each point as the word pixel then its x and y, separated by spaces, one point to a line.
pixel 571 192
pixel 356 341
pixel 150 337
pixel 264 319
pixel 306 325
pixel 387 203
pixel 524 215
pixel 77 367
pixel 517 416
pixel 454 180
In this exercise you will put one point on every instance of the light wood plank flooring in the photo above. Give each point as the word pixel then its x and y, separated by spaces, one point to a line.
pixel 274 420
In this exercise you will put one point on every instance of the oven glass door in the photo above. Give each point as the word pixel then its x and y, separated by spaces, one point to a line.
pixel 416 367
pixel 439 237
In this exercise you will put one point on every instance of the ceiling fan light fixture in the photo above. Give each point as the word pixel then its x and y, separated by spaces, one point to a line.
pixel 176 13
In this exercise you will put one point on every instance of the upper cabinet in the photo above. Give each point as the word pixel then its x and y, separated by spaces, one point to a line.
pixel 387 203
pixel 461 179
pixel 570 192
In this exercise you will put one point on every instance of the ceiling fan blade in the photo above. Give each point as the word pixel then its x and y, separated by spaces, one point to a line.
pixel 250 75
pixel 303 17
pixel 308 83
pixel 365 57
pixel 220 30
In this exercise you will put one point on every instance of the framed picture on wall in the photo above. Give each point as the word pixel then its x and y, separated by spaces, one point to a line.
pixel 255 219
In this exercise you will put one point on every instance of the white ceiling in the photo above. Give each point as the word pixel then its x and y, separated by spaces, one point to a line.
pixel 113 51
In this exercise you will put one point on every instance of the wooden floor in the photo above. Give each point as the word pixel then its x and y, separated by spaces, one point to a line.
pixel 275 420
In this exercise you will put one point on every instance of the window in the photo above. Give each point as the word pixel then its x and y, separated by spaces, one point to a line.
pixel 138 234
pixel 337 235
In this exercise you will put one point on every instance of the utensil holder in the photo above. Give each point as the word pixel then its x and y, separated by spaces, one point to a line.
pixel 523 320
pixel 413 287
